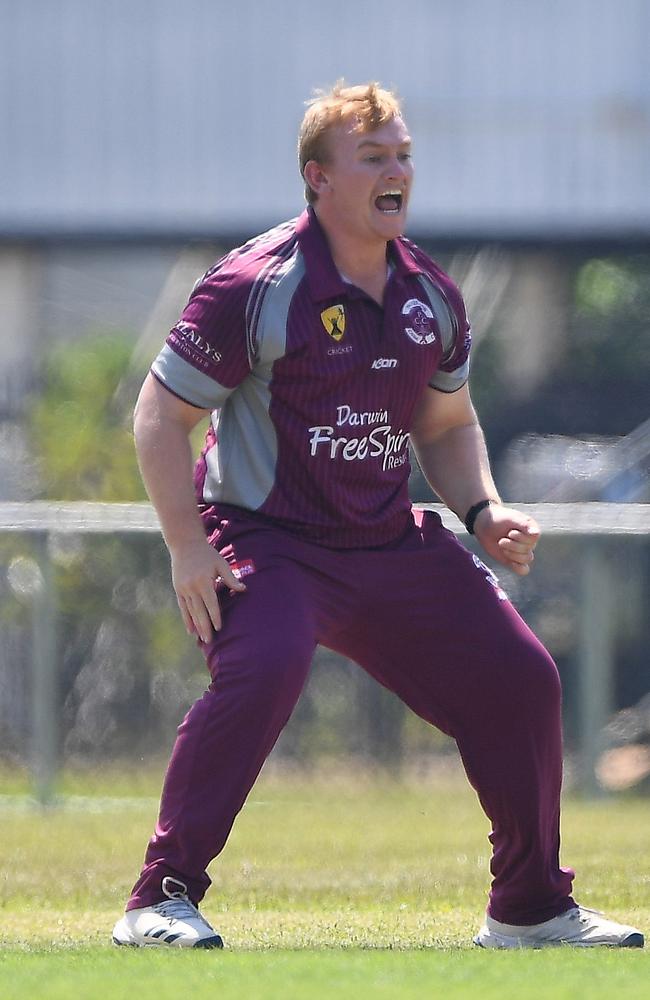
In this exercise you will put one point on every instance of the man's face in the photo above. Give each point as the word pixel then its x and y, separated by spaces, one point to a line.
pixel 368 179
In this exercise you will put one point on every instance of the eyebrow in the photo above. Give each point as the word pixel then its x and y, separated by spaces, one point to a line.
pixel 382 145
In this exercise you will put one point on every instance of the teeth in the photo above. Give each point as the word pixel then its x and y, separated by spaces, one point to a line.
pixel 392 193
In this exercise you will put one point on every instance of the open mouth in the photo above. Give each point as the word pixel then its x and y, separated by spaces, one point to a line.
pixel 390 202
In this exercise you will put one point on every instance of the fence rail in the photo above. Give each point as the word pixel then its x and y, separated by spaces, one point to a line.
pixel 554 518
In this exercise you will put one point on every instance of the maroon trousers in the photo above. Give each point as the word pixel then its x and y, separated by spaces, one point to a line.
pixel 429 622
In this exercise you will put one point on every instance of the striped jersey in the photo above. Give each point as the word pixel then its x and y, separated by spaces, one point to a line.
pixel 313 385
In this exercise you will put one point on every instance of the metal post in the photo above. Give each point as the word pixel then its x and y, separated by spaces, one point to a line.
pixel 596 654
pixel 44 680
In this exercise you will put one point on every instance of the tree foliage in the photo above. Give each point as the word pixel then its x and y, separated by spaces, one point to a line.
pixel 80 430
pixel 611 322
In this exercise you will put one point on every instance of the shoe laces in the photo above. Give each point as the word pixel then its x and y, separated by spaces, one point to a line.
pixel 177 909
pixel 585 913
pixel 178 905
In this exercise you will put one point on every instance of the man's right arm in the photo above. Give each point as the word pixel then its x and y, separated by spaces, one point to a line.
pixel 162 426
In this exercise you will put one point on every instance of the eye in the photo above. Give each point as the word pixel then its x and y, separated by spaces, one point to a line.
pixel 405 156
pixel 373 158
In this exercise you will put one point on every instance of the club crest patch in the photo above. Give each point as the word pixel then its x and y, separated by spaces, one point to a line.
pixel 419 322
pixel 333 319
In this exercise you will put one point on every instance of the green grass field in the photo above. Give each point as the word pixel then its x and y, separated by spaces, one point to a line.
pixel 337 884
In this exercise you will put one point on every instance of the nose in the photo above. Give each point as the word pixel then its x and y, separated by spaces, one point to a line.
pixel 397 169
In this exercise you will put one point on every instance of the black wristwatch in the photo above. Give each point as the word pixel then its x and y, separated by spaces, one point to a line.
pixel 473 513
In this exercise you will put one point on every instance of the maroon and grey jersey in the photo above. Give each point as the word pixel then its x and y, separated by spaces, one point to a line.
pixel 312 384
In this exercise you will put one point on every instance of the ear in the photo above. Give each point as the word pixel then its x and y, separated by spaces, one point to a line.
pixel 315 176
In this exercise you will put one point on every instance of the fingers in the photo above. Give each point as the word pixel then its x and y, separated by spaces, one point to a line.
pixel 231 581
pixel 521 569
pixel 510 537
pixel 205 612
pixel 516 550
pixel 519 541
pixel 196 573
pixel 200 612
pixel 186 616
pixel 533 529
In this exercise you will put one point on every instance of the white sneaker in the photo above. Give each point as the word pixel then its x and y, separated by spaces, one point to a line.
pixel 580 927
pixel 176 923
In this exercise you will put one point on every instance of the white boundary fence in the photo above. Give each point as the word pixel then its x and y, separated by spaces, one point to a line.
pixel 595 521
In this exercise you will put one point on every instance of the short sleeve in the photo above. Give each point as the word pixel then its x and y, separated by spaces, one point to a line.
pixel 453 370
pixel 207 354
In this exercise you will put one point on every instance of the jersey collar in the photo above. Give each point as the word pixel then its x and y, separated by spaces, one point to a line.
pixel 404 261
pixel 323 277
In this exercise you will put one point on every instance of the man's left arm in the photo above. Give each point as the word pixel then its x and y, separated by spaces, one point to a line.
pixel 450 447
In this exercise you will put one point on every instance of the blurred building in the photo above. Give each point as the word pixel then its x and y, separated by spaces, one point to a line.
pixel 133 128
pixel 152 119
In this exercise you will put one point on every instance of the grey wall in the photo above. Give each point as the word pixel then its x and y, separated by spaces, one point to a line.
pixel 132 117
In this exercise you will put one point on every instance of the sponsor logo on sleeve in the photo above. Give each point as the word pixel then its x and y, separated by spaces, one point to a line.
pixel 187 336
pixel 333 319
pixel 419 322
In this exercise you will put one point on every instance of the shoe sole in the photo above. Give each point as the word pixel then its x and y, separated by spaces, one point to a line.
pixel 206 944
pixel 635 940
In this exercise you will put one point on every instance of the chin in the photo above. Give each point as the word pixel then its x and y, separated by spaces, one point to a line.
pixel 391 227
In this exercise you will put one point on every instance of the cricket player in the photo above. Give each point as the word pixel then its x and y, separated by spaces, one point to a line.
pixel 320 349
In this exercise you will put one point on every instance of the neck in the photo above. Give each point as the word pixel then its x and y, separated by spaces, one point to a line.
pixel 358 265
pixel 361 261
